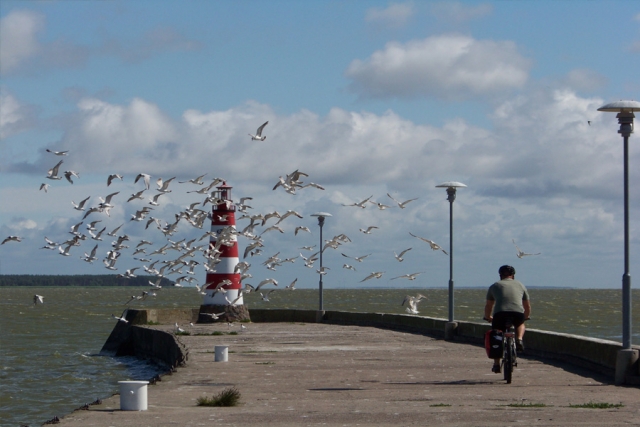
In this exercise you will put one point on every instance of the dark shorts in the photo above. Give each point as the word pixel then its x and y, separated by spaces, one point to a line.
pixel 500 319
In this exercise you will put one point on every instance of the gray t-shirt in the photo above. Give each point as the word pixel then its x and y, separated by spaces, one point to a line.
pixel 508 295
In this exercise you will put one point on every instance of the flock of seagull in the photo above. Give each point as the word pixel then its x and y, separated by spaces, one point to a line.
pixel 183 264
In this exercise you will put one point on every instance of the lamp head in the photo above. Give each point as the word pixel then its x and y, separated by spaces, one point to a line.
pixel 321 216
pixel 451 187
pixel 621 107
pixel 625 115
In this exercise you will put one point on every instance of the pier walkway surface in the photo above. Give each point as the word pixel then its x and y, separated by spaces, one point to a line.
pixel 315 374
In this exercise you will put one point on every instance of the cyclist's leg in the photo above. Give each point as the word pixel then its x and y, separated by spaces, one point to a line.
pixel 520 332
pixel 518 323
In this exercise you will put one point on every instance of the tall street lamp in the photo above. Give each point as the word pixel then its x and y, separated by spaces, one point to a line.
pixel 321 216
pixel 451 187
pixel 625 117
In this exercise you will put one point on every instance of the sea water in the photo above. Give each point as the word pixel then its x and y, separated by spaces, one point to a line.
pixel 50 361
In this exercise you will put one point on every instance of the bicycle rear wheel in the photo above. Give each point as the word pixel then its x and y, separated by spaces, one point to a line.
pixel 508 360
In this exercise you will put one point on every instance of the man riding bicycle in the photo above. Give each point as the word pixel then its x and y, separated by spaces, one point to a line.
pixel 507 299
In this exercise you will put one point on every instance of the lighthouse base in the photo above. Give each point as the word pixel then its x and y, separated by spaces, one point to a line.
pixel 232 313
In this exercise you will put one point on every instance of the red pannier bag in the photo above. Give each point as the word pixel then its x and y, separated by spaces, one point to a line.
pixel 493 343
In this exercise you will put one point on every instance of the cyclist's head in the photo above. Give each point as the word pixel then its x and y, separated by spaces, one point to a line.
pixel 506 271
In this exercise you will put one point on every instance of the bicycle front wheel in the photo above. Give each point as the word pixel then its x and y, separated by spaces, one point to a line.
pixel 508 360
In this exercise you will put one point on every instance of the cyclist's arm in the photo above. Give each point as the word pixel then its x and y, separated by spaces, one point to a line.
pixel 527 308
pixel 488 309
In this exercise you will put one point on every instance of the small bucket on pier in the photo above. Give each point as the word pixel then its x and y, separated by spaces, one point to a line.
pixel 222 353
pixel 133 395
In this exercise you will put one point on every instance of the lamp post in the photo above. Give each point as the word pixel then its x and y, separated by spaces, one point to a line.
pixel 625 117
pixel 451 187
pixel 321 216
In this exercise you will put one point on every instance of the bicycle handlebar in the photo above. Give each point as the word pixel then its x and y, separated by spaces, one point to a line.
pixel 484 318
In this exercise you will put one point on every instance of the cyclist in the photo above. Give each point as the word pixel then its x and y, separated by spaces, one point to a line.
pixel 507 299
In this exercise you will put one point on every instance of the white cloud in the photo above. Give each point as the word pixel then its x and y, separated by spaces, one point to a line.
pixel 21 50
pixel 19 224
pixel 395 16
pixel 14 116
pixel 456 12
pixel 18 32
pixel 540 144
pixel 447 66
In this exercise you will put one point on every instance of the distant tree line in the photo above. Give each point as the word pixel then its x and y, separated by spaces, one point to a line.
pixel 78 280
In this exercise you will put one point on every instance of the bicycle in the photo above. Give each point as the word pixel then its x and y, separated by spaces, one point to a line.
pixel 509 352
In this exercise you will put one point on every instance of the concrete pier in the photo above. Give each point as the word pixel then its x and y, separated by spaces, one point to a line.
pixel 306 373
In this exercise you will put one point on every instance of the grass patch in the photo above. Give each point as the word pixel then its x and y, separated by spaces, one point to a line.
pixel 527 405
pixel 438 405
pixel 233 333
pixel 183 333
pixel 265 363
pixel 217 333
pixel 227 397
pixel 598 405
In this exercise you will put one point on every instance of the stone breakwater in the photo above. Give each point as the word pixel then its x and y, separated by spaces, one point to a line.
pixel 298 373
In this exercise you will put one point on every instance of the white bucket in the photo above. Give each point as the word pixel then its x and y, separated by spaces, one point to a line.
pixel 133 395
pixel 222 353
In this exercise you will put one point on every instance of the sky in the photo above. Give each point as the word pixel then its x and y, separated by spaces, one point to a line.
pixel 367 98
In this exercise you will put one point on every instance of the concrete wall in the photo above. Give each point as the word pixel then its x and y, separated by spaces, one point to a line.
pixel 591 353
pixel 133 339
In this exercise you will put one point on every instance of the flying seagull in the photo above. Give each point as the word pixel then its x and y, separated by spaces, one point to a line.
pixel 144 176
pixel 69 174
pixel 58 153
pixel 53 172
pixel 374 275
pixel 431 243
pixel 80 206
pixel 113 176
pixel 401 205
pixel 38 299
pixel 11 239
pixel 368 230
pixel 399 257
pixel 519 253
pixel 197 180
pixel 357 258
pixel 258 136
pixel 120 319
pixel 412 303
pixel 411 276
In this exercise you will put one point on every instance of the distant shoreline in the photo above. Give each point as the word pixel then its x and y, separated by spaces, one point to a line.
pixel 44 280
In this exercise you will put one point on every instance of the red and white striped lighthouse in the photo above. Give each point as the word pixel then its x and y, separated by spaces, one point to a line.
pixel 223 221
